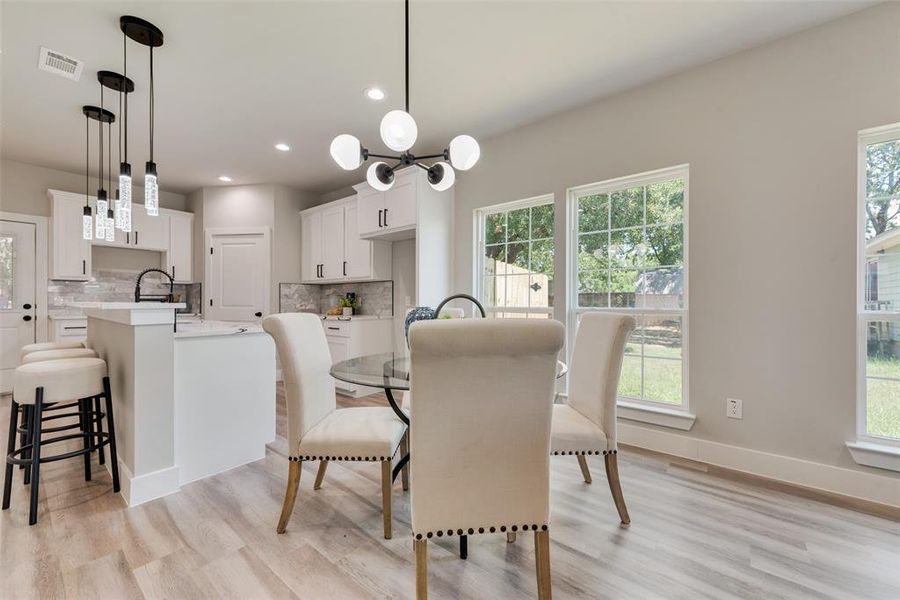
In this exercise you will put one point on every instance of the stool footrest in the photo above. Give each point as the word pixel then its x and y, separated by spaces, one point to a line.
pixel 13 459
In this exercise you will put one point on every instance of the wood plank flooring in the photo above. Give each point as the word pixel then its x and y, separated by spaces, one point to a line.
pixel 693 535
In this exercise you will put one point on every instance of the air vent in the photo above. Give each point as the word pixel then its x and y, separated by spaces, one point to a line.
pixel 60 64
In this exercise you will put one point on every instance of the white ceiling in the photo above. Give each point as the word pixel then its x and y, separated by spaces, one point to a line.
pixel 233 78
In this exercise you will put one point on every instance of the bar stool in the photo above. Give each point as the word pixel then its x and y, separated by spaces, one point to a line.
pixel 38 384
pixel 43 346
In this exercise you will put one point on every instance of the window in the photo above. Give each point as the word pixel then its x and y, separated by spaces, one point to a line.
pixel 515 250
pixel 629 254
pixel 879 285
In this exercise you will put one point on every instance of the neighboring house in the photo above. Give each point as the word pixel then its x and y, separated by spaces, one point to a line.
pixel 883 278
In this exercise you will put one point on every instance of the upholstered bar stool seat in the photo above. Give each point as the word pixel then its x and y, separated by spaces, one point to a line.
pixel 62 379
pixel 364 433
pixel 42 355
pixel 43 346
pixel 573 433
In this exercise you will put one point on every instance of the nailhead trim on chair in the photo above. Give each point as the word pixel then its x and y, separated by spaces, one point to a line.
pixel 583 452
pixel 471 530
pixel 351 458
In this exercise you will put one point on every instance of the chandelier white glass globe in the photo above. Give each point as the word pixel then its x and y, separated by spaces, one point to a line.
pixel 445 176
pixel 373 179
pixel 464 152
pixel 399 130
pixel 346 151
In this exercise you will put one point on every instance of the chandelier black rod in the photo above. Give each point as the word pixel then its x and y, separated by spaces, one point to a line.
pixel 406 7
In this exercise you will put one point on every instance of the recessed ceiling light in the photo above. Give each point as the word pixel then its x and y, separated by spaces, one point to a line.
pixel 225 178
pixel 283 147
pixel 375 93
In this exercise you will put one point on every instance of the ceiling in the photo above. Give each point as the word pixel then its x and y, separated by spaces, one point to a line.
pixel 234 78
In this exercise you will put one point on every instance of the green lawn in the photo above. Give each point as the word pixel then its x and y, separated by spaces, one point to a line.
pixel 883 397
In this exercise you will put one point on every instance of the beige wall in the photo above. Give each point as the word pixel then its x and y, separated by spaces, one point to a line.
pixel 770 135
pixel 23 188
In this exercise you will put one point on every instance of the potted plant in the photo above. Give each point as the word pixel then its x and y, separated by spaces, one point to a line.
pixel 348 305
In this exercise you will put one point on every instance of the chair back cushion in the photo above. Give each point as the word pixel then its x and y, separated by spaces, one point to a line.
pixel 596 366
pixel 305 366
pixel 480 423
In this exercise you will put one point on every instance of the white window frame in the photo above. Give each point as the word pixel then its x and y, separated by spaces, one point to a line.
pixel 480 214
pixel 634 406
pixel 864 439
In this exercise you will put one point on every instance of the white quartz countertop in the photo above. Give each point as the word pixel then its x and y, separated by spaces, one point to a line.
pixel 128 305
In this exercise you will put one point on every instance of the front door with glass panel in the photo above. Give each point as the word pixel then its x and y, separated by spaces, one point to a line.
pixel 17 295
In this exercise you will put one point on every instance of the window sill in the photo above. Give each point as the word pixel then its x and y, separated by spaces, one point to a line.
pixel 655 415
pixel 873 454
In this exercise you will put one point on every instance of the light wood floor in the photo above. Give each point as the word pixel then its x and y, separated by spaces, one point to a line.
pixel 693 535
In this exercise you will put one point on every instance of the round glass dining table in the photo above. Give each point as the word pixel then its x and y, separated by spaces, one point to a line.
pixel 390 371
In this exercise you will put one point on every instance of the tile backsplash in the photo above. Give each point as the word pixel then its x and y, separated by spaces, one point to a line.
pixel 375 297
pixel 115 285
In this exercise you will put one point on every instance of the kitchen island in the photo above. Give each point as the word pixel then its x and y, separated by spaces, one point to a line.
pixel 190 403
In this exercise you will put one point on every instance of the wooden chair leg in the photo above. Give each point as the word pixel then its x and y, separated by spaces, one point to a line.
pixel 320 475
pixel 542 564
pixel 404 450
pixel 510 537
pixel 612 475
pixel 421 547
pixel 290 494
pixel 386 496
pixel 585 471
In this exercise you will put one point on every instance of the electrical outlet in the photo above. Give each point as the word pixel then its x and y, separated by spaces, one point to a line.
pixel 734 408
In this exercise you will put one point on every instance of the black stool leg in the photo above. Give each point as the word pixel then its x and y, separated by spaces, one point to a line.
pixel 111 428
pixel 98 420
pixel 29 427
pixel 36 453
pixel 87 429
pixel 23 436
pixel 10 448
pixel 464 547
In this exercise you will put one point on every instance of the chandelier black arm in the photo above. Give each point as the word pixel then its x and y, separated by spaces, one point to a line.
pixel 420 165
pixel 443 155
pixel 370 155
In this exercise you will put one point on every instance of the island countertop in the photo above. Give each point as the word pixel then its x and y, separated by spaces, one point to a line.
pixel 128 305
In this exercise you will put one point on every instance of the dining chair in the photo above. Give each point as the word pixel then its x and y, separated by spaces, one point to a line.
pixel 317 430
pixel 586 424
pixel 480 433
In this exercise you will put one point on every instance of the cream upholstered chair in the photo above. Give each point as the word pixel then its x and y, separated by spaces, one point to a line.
pixel 480 432
pixel 586 425
pixel 316 429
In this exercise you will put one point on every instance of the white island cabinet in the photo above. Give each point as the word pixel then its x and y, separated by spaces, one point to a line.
pixel 189 404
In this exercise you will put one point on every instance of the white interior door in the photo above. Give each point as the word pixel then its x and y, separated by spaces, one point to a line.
pixel 17 295
pixel 238 277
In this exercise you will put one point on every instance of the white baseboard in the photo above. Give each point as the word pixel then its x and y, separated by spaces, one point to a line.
pixel 883 489
pixel 137 490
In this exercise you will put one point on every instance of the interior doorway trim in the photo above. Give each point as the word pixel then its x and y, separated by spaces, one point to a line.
pixel 41 268
pixel 266 232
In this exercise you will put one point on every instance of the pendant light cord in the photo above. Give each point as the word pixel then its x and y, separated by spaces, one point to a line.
pixel 407 53
pixel 109 156
pixel 151 104
pixel 119 128
pixel 124 85
pixel 100 136
pixel 87 160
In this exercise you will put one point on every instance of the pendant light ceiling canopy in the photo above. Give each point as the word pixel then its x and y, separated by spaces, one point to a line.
pixel 399 133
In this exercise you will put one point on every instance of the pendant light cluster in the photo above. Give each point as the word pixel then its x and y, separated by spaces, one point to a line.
pixel 399 132
pixel 116 214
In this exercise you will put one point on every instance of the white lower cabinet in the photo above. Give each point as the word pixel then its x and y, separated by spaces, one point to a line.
pixel 69 329
pixel 357 337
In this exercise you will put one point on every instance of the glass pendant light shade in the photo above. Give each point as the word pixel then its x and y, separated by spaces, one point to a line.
pixel 118 210
pixel 110 229
pixel 464 152
pixel 151 190
pixel 380 176
pixel 87 224
pixel 399 130
pixel 100 219
pixel 125 193
pixel 346 151
pixel 441 176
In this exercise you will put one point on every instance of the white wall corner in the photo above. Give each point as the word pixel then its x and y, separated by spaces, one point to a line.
pixel 871 454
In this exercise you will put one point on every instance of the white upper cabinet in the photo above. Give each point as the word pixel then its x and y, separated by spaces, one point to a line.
pixel 396 214
pixel 332 250
pixel 171 232
pixel 400 203
pixel 370 211
pixel 70 254
pixel 179 258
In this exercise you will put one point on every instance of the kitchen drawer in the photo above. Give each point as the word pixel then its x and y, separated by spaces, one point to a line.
pixel 335 328
pixel 69 330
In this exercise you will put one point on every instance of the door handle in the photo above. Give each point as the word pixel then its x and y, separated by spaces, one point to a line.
pixel 257 314
pixel 379 217
pixel 26 318
pixel 385 217
pixel 26 306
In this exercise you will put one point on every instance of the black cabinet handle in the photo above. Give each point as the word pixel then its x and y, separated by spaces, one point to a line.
pixel 173 271
pixel 379 218
pixel 26 318
pixel 73 327
pixel 385 218
pixel 26 306
pixel 345 268
pixel 128 239
pixel 83 267
pixel 258 314
pixel 135 238
pixel 334 328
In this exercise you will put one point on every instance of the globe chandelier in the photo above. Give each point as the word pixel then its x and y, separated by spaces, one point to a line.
pixel 399 132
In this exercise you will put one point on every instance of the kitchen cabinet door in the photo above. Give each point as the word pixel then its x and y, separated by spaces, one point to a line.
pixel 357 251
pixel 70 254
pixel 370 211
pixel 311 247
pixel 400 204
pixel 180 253
pixel 332 234
pixel 147 232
